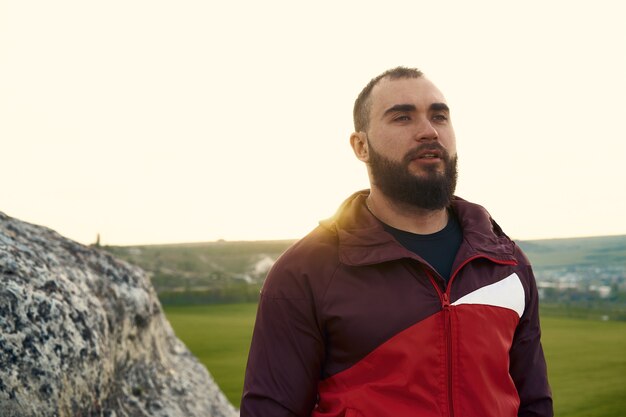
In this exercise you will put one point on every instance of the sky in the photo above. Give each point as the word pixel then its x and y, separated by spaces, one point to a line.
pixel 186 121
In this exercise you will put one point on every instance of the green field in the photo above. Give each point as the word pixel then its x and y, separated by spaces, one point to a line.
pixel 586 359
pixel 587 366
pixel 219 336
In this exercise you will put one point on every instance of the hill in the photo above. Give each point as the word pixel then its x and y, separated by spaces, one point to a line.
pixel 585 251
pixel 583 270
pixel 205 272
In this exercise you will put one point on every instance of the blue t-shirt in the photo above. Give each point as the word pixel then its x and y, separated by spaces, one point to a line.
pixel 438 249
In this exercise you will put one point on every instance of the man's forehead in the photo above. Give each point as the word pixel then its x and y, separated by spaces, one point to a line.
pixel 417 91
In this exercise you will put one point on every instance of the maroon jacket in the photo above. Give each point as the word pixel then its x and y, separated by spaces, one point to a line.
pixel 350 323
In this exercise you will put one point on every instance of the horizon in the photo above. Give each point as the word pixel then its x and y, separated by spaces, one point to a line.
pixel 104 243
pixel 199 243
pixel 287 239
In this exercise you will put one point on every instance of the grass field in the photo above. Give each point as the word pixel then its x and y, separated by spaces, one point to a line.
pixel 219 336
pixel 587 366
pixel 586 359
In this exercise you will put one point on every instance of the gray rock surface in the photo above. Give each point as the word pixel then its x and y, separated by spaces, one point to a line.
pixel 83 334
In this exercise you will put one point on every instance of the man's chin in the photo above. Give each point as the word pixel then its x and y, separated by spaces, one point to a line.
pixel 428 172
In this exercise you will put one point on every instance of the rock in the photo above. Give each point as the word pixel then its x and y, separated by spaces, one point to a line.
pixel 83 334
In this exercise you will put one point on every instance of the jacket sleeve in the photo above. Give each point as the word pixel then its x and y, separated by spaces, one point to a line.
pixel 286 352
pixel 528 365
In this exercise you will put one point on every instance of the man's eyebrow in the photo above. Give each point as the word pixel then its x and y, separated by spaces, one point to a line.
pixel 439 107
pixel 399 108
pixel 410 107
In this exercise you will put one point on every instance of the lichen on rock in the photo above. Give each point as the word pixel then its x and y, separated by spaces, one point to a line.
pixel 83 334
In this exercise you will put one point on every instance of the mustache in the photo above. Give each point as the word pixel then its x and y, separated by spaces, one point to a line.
pixel 427 147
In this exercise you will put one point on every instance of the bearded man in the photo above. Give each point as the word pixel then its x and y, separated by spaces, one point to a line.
pixel 409 301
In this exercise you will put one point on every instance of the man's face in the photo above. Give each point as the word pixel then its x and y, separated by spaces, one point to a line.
pixel 411 147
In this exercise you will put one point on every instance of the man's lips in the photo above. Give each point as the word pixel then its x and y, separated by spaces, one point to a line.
pixel 429 155
pixel 426 154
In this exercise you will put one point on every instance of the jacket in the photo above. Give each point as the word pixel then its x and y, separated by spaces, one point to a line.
pixel 352 324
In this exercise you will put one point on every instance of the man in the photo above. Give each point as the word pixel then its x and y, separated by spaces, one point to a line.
pixel 409 301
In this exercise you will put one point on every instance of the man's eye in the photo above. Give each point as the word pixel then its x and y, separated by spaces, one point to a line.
pixel 402 118
pixel 440 117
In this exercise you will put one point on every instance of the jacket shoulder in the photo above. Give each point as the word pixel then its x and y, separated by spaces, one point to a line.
pixel 521 257
pixel 305 268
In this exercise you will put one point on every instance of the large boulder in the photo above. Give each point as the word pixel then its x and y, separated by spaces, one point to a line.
pixel 83 334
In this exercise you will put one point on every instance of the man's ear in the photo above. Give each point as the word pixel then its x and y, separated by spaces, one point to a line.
pixel 360 146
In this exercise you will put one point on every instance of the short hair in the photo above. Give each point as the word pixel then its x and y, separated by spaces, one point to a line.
pixel 362 104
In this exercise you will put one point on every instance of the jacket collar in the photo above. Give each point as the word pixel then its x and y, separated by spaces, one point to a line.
pixel 364 241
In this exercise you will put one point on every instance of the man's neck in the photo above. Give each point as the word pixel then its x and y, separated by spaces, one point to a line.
pixel 405 216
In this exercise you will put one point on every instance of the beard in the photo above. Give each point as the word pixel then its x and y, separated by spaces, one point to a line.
pixel 431 190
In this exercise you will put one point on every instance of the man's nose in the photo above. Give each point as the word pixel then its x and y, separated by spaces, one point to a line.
pixel 426 132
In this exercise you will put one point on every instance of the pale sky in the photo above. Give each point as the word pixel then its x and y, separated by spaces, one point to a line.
pixel 184 121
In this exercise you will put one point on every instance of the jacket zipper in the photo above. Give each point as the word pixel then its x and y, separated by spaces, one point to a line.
pixel 448 331
pixel 447 326
pixel 444 297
